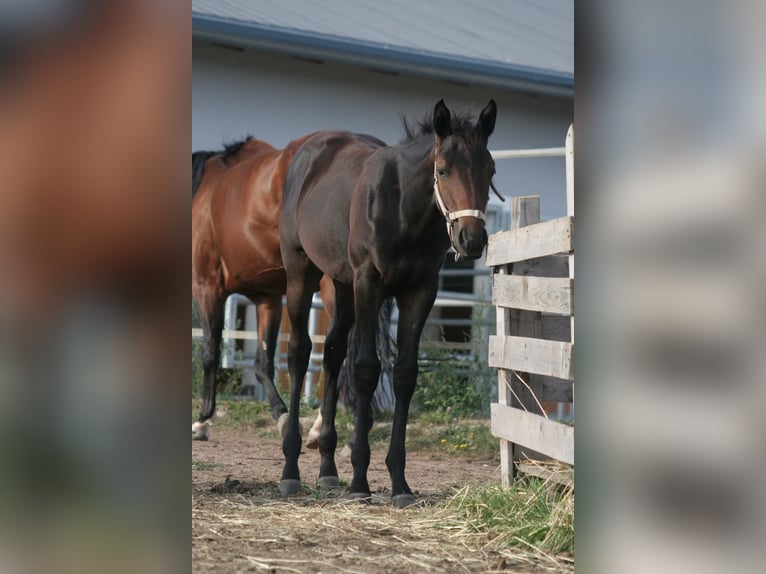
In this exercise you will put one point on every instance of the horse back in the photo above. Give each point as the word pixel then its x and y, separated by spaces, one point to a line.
pixel 319 187
pixel 235 216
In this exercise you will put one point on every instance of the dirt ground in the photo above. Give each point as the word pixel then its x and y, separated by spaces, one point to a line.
pixel 241 524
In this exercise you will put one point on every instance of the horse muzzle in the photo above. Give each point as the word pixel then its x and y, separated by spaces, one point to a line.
pixel 470 238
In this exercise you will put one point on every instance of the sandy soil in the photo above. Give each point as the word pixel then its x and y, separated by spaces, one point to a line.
pixel 241 524
pixel 239 454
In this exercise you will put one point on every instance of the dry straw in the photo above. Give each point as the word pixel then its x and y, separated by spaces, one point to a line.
pixel 251 529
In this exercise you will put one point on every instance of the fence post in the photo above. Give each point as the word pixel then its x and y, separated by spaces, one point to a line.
pixel 525 211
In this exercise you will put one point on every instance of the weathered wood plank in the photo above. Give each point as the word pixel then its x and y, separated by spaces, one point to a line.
pixel 533 431
pixel 550 472
pixel 538 240
pixel 530 355
pixel 525 211
pixel 526 388
pixel 547 294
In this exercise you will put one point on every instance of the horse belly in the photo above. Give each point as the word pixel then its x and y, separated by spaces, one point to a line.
pixel 323 234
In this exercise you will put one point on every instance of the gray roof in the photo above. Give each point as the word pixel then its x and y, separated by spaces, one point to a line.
pixel 521 44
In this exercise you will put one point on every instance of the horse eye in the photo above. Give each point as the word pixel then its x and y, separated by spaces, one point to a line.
pixel 441 173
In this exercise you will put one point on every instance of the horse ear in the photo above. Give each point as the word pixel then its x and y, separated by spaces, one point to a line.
pixel 486 123
pixel 442 126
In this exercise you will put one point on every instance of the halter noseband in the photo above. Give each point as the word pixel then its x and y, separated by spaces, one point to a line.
pixel 452 216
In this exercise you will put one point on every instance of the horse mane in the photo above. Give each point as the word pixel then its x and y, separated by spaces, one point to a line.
pixel 232 148
pixel 463 124
pixel 199 158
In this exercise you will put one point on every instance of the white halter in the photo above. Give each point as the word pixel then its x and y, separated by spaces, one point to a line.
pixel 452 216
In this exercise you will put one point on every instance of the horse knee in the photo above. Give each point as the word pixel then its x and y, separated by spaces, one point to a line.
pixel 299 348
pixel 366 373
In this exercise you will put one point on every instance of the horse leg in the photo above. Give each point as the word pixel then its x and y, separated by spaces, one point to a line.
pixel 210 309
pixel 327 293
pixel 368 297
pixel 414 307
pixel 300 291
pixel 335 348
pixel 269 310
pixel 312 439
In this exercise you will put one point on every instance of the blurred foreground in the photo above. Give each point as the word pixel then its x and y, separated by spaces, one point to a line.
pixel 94 132
pixel 672 140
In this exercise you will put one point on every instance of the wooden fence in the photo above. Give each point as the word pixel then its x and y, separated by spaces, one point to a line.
pixel 533 292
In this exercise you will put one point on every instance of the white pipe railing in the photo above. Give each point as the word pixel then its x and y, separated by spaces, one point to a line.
pixel 520 153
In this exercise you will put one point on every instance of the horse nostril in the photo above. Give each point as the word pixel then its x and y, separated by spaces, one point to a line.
pixel 472 242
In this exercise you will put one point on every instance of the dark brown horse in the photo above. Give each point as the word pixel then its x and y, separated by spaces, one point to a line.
pixel 372 217
pixel 237 195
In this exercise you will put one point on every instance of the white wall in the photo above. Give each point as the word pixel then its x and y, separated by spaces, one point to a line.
pixel 279 98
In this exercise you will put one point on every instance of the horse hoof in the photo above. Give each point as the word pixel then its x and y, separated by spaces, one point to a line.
pixel 346 452
pixel 289 486
pixel 201 430
pixel 365 497
pixel 403 500
pixel 328 482
pixel 282 424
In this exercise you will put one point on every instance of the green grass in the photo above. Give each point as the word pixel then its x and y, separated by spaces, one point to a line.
pixel 199 465
pixel 530 513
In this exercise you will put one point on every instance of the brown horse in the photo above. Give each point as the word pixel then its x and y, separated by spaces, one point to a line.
pixel 373 217
pixel 235 249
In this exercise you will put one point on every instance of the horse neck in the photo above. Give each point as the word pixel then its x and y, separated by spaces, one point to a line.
pixel 417 207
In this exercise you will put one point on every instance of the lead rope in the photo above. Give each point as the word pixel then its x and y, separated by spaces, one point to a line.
pixel 452 216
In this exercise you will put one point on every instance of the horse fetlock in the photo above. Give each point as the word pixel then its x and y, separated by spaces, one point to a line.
pixel 201 430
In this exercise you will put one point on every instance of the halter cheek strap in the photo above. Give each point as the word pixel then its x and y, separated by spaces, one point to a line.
pixel 452 216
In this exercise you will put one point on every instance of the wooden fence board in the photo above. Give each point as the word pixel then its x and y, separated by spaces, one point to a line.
pixel 538 240
pixel 547 294
pixel 530 355
pixel 533 431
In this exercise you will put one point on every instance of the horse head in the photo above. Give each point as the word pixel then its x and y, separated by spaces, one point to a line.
pixel 463 170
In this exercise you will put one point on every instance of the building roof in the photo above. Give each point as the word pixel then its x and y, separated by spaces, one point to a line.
pixel 518 44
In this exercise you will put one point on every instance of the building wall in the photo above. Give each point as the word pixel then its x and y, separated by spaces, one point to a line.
pixel 279 98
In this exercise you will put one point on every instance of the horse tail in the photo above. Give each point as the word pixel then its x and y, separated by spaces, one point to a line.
pixel 386 344
pixel 199 158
